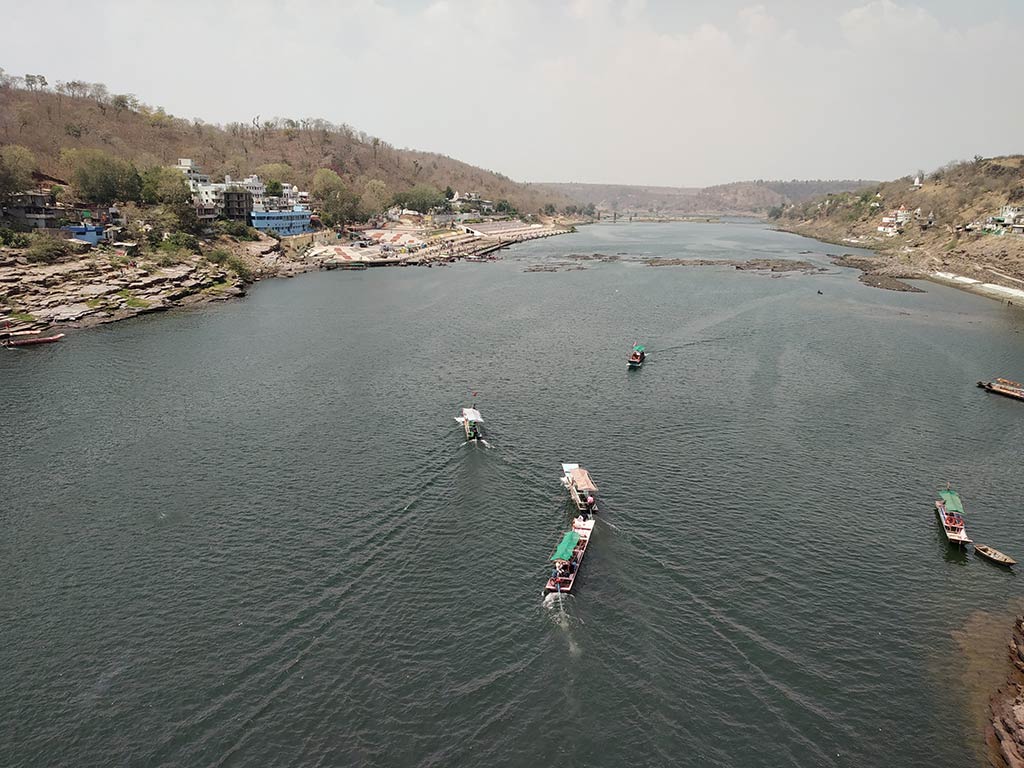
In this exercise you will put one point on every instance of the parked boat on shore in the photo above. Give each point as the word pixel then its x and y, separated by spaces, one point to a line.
pixel 994 555
pixel 1005 387
pixel 636 357
pixel 581 488
pixel 950 511
pixel 26 338
pixel 568 556
pixel 470 420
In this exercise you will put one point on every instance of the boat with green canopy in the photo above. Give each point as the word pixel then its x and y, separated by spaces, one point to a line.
pixel 950 511
pixel 636 357
pixel 568 556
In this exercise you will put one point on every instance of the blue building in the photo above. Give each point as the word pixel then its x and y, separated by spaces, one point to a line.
pixel 90 233
pixel 284 223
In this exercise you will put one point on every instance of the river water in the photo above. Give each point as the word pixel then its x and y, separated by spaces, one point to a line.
pixel 251 534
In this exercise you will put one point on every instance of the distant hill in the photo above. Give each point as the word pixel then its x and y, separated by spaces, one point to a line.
pixel 944 222
pixel 84 115
pixel 741 197
pixel 954 195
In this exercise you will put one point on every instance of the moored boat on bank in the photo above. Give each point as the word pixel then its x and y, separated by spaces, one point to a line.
pixel 1005 387
pixel 994 555
pixel 568 556
pixel 470 420
pixel 581 487
pixel 26 338
pixel 636 357
pixel 950 511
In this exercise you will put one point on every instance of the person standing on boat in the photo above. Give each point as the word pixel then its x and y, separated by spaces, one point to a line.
pixel 590 507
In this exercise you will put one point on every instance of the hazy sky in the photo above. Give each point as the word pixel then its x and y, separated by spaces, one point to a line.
pixel 675 93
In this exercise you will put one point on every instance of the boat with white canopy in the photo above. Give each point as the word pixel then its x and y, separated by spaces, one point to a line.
pixel 470 421
pixel 582 489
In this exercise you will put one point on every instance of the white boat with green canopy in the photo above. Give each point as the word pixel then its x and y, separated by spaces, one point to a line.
pixel 950 511
pixel 568 556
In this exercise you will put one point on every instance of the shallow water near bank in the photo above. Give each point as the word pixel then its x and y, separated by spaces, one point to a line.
pixel 251 533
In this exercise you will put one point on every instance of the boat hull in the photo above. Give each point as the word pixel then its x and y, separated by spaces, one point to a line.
pixel 32 342
pixel 565 583
pixel 994 555
pixel 995 389
pixel 955 533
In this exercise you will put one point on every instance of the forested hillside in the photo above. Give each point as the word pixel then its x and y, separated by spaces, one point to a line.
pixel 49 119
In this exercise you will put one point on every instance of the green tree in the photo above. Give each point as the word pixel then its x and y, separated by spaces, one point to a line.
pixel 549 209
pixel 420 198
pixel 449 193
pixel 16 166
pixel 338 204
pixel 102 178
pixel 324 181
pixel 168 188
pixel 161 184
pixel 275 188
pixel 504 206
pixel 375 197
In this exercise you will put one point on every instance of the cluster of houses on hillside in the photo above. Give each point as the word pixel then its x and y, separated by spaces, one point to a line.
pixel 895 220
pixel 247 200
pixel 1010 220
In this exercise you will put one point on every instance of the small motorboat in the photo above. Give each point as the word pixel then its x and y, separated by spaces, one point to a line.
pixel 470 421
pixel 950 511
pixel 994 555
pixel 636 357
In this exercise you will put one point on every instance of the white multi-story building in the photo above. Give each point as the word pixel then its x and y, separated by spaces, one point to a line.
pixel 209 194
pixel 253 185
pixel 192 172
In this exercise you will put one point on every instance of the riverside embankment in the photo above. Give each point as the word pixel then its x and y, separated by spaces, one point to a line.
pixel 106 284
pixel 988 265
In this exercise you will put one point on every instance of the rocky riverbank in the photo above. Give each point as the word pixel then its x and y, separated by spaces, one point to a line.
pixel 106 284
pixel 989 265
pixel 878 273
pixel 1005 734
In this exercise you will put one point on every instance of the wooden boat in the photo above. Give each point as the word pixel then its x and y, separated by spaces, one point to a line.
pixel 950 511
pixel 636 357
pixel 470 420
pixel 581 488
pixel 1005 387
pixel 26 338
pixel 994 555
pixel 568 556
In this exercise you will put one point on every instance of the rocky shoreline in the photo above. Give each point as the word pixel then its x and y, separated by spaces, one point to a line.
pixel 105 286
pixel 873 272
pixel 1005 733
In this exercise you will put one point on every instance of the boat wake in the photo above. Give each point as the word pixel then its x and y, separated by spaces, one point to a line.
pixel 554 604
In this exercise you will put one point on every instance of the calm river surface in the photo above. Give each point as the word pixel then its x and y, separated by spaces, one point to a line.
pixel 250 534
